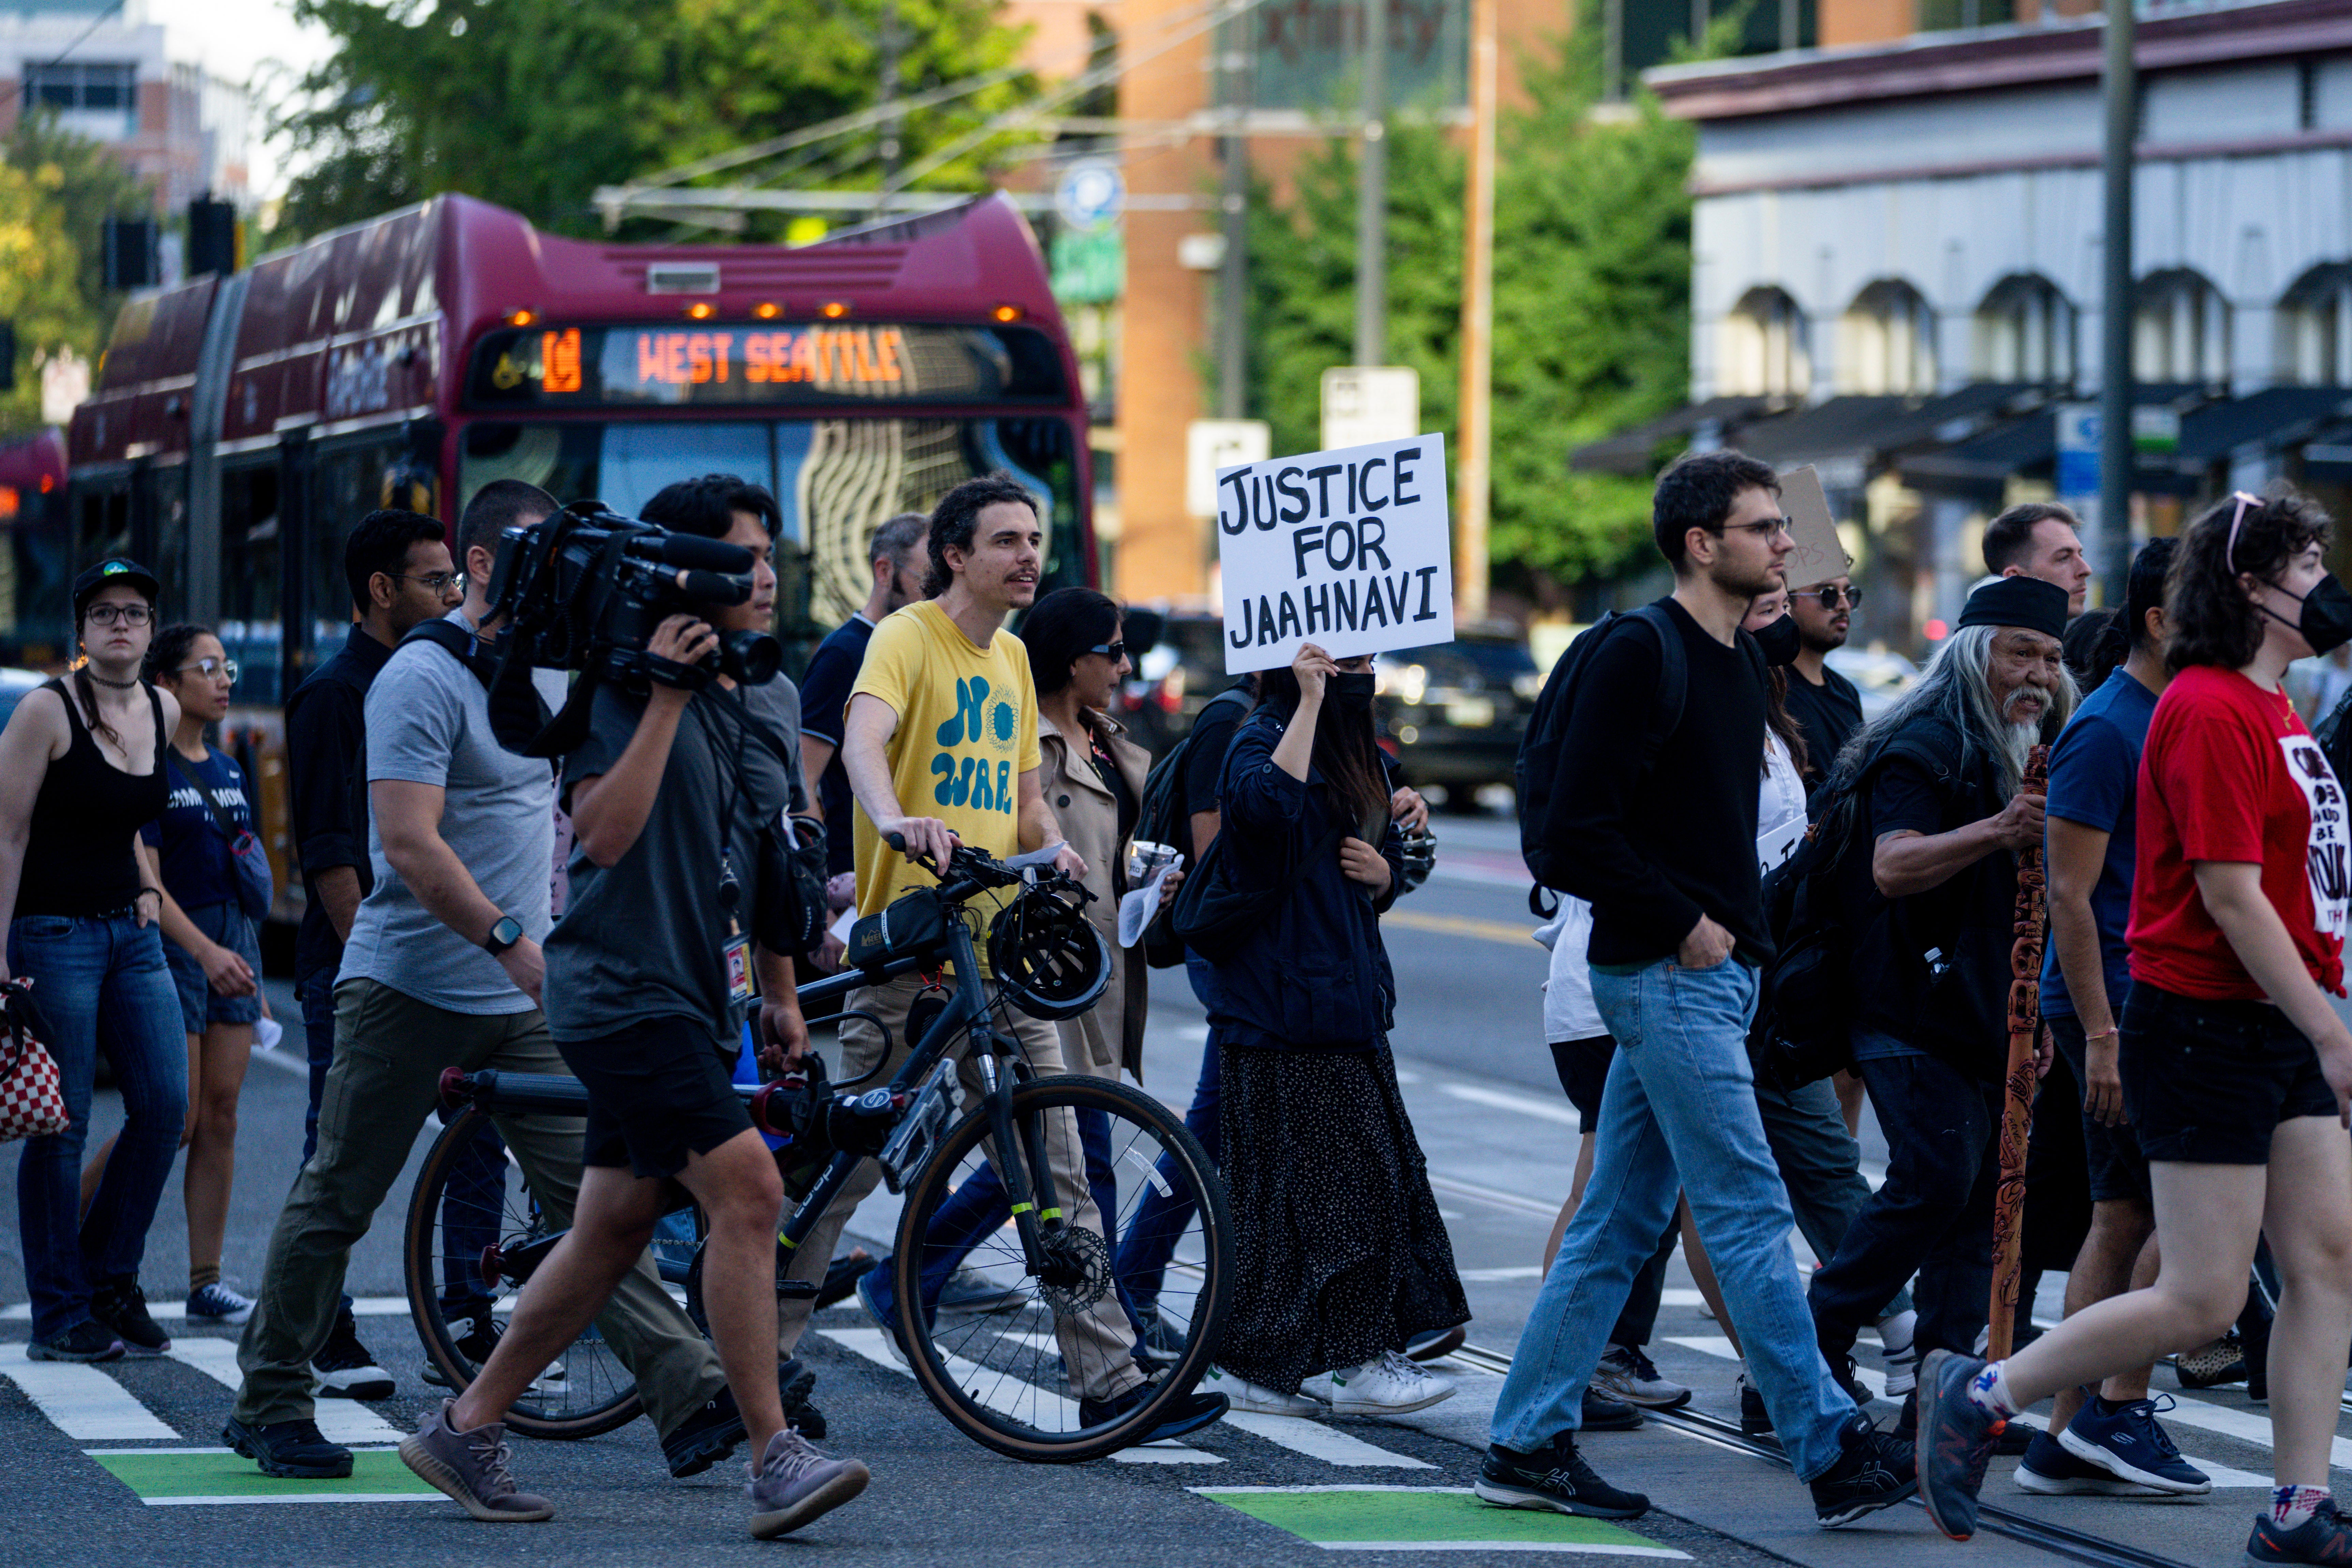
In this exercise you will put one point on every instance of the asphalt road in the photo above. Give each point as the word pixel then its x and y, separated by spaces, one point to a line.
pixel 1500 1141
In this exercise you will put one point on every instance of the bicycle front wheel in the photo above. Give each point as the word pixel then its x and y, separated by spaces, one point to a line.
pixel 470 1200
pixel 1014 1355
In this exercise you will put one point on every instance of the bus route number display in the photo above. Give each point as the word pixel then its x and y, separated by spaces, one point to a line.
pixel 815 363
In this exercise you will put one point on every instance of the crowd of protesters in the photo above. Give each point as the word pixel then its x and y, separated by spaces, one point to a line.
pixel 1709 760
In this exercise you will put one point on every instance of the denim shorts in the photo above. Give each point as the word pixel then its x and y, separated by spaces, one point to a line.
pixel 2206 1083
pixel 199 1004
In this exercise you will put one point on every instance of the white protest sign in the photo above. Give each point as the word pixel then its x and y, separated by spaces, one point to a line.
pixel 1349 550
pixel 1818 556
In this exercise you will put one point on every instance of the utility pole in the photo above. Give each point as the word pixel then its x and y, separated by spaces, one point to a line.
pixel 891 41
pixel 2110 541
pixel 1475 430
pixel 1233 58
pixel 1373 193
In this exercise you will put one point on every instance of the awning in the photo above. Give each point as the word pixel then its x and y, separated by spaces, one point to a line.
pixel 2275 417
pixel 1634 452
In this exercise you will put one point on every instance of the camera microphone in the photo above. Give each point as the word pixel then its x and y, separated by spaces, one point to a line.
pixel 693 551
pixel 716 587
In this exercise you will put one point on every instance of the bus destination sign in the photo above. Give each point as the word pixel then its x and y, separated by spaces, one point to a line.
pixel 828 362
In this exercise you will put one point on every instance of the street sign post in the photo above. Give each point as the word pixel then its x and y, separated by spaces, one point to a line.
pixel 1362 404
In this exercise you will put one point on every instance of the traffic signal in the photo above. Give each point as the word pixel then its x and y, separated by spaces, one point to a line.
pixel 212 238
pixel 131 260
pixel 7 356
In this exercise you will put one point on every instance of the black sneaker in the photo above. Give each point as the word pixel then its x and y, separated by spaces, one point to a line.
pixel 1755 1420
pixel 2322 1538
pixel 1602 1414
pixel 841 1275
pixel 795 1383
pixel 1874 1469
pixel 705 1438
pixel 1190 1414
pixel 2049 1470
pixel 480 1338
pixel 1956 1440
pixel 292 1449
pixel 1555 1477
pixel 1841 1371
pixel 344 1368
pixel 1436 1342
pixel 2017 1435
pixel 85 1341
pixel 120 1305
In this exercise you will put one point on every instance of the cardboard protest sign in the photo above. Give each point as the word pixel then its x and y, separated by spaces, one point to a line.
pixel 1818 556
pixel 1349 550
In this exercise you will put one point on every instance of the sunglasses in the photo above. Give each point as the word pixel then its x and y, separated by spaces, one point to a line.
pixel 1113 651
pixel 120 614
pixel 1832 596
pixel 211 667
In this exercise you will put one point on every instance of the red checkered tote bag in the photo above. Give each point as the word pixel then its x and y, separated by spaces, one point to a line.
pixel 32 1097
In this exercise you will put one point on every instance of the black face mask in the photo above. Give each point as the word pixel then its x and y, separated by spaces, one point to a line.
pixel 1352 689
pixel 2325 622
pixel 1780 642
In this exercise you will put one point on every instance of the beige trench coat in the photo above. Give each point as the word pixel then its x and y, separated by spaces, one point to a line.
pixel 1108 1036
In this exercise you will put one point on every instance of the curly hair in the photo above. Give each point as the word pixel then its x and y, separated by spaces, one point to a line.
pixel 957 519
pixel 2208 615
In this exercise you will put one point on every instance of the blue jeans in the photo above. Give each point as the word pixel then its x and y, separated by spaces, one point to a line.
pixel 1150 1243
pixel 100 982
pixel 1678 1114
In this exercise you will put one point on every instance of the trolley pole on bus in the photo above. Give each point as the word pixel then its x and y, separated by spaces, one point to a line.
pixel 1373 193
pixel 1475 431
pixel 1233 60
pixel 2110 541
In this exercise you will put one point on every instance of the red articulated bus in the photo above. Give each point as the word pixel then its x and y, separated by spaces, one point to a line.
pixel 240 426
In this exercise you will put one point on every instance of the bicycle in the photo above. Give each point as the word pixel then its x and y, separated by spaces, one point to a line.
pixel 997 1372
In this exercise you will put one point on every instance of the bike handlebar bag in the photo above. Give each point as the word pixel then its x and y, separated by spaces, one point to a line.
pixel 914 925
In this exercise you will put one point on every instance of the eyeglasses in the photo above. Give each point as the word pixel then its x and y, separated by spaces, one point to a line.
pixel 1832 596
pixel 1764 529
pixel 211 667
pixel 120 614
pixel 1113 651
pixel 439 582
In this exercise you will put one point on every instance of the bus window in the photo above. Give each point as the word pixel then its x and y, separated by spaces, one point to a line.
pixel 167 499
pixel 41 565
pixel 348 483
pixel 102 521
pixel 252 610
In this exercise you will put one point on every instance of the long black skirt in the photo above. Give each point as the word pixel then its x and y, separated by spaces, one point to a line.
pixel 1339 1250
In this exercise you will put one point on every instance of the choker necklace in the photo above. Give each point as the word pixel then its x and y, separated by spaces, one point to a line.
pixel 118 685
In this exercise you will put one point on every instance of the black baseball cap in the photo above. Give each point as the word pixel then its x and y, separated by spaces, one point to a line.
pixel 107 573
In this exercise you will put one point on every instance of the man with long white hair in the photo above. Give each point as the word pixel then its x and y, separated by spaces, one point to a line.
pixel 1935 786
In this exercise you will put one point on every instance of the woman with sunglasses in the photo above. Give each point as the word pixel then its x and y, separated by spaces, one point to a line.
pixel 2236 1071
pixel 82 772
pixel 215 958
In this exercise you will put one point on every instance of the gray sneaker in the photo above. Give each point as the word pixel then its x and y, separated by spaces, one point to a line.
pixel 795 1484
pixel 472 1467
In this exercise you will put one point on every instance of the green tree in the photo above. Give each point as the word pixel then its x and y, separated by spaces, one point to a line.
pixel 535 103
pixel 57 190
pixel 1591 302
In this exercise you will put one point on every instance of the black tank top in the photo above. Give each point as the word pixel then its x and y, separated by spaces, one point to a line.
pixel 77 857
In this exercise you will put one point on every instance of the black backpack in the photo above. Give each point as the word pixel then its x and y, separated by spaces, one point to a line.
pixel 1542 762
pixel 1163 819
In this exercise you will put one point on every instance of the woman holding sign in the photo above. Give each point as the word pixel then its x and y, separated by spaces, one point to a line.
pixel 1342 1258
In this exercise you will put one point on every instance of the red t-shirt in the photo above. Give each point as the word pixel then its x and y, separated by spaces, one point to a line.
pixel 2230 773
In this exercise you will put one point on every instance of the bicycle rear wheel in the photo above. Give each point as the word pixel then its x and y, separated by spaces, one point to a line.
pixel 457 1209
pixel 996 1352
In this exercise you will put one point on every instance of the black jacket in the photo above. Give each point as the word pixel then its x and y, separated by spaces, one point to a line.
pixel 326 746
pixel 1316 976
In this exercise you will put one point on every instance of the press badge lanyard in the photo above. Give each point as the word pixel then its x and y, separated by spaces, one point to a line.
pixel 742 986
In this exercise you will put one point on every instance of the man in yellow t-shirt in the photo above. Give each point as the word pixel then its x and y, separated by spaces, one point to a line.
pixel 943 722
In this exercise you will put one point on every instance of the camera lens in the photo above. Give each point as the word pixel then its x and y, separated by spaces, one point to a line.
pixel 752 659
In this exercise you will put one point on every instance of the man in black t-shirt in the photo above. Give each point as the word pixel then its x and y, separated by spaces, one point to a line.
pixel 894 556
pixel 1824 703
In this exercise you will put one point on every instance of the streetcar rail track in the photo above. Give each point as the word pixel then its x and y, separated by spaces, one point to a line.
pixel 2059 1540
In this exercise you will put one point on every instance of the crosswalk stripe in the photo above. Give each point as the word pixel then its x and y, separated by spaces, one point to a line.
pixel 1316 1441
pixel 177 1312
pixel 869 1343
pixel 340 1420
pixel 86 1404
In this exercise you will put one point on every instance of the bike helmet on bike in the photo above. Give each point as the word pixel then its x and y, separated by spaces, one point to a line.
pixel 1048 959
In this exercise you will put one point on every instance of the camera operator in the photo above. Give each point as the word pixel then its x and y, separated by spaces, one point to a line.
pixel 647 977
pixel 442 969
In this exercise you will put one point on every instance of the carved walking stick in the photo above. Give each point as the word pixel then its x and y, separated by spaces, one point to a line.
pixel 2017 1108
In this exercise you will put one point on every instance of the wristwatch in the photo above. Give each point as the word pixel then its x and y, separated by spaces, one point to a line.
pixel 503 935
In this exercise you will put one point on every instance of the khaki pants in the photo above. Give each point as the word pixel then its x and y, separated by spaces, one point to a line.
pixel 390 1050
pixel 1096 1345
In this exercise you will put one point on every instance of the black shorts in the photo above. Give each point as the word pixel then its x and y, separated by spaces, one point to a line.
pixel 2118 1169
pixel 656 1092
pixel 1583 1066
pixel 2206 1083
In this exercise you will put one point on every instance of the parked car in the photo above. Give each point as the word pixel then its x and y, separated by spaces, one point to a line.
pixel 1454 714
pixel 1880 676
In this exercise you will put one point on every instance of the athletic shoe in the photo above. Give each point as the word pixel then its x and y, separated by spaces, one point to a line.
pixel 2017 1434
pixel 1897 1354
pixel 841 1277
pixel 1755 1419
pixel 85 1341
pixel 794 1484
pixel 1843 1372
pixel 1956 1440
pixel 705 1438
pixel 217 1303
pixel 292 1451
pixel 345 1370
pixel 2323 1538
pixel 1192 1412
pixel 1255 1399
pixel 1387 1384
pixel 2130 1445
pixel 1602 1414
pixel 794 1384
pixel 1625 1373
pixel 121 1305
pixel 1874 1471
pixel 480 1338
pixel 1555 1477
pixel 472 1467
pixel 2049 1470
pixel 1436 1342
pixel 2223 1360
pixel 887 1321
pixel 970 1291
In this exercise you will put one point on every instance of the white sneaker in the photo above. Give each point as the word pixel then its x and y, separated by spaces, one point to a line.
pixel 1898 1356
pixel 1387 1384
pixel 1253 1399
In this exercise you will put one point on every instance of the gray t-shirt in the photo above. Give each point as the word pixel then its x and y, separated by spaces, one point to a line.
pixel 428 722
pixel 778 706
pixel 646 938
